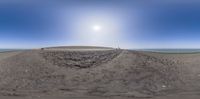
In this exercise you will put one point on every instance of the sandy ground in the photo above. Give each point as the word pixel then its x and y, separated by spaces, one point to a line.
pixel 4 55
pixel 98 74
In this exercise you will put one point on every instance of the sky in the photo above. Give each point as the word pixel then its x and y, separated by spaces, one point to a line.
pixel 113 23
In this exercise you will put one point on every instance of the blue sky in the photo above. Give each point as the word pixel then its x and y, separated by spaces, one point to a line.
pixel 124 23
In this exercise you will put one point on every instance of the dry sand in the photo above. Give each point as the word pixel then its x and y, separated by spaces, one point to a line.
pixel 99 73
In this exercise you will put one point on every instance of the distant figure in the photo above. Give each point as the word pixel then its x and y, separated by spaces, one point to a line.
pixel 118 47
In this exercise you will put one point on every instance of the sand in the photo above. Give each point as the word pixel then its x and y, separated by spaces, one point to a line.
pixel 98 73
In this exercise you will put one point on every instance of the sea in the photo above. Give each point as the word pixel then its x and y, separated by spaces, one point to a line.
pixel 6 50
pixel 172 50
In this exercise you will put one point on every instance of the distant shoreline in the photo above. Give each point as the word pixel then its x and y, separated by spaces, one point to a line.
pixel 74 48
pixel 10 50
pixel 172 51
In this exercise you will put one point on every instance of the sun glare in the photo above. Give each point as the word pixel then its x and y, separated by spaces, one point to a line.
pixel 96 28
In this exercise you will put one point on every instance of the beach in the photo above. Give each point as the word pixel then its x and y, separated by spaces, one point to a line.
pixel 98 73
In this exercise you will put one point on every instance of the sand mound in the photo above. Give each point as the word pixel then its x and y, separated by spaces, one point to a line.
pixel 79 48
pixel 107 73
pixel 81 59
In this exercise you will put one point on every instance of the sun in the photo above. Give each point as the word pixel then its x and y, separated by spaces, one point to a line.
pixel 96 28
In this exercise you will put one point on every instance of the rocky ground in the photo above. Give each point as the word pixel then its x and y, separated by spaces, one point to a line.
pixel 89 74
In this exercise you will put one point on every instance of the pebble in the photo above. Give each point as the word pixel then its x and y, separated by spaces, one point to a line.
pixel 163 86
pixel 26 70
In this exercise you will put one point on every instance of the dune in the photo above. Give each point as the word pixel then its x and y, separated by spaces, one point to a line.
pixel 59 71
pixel 77 48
